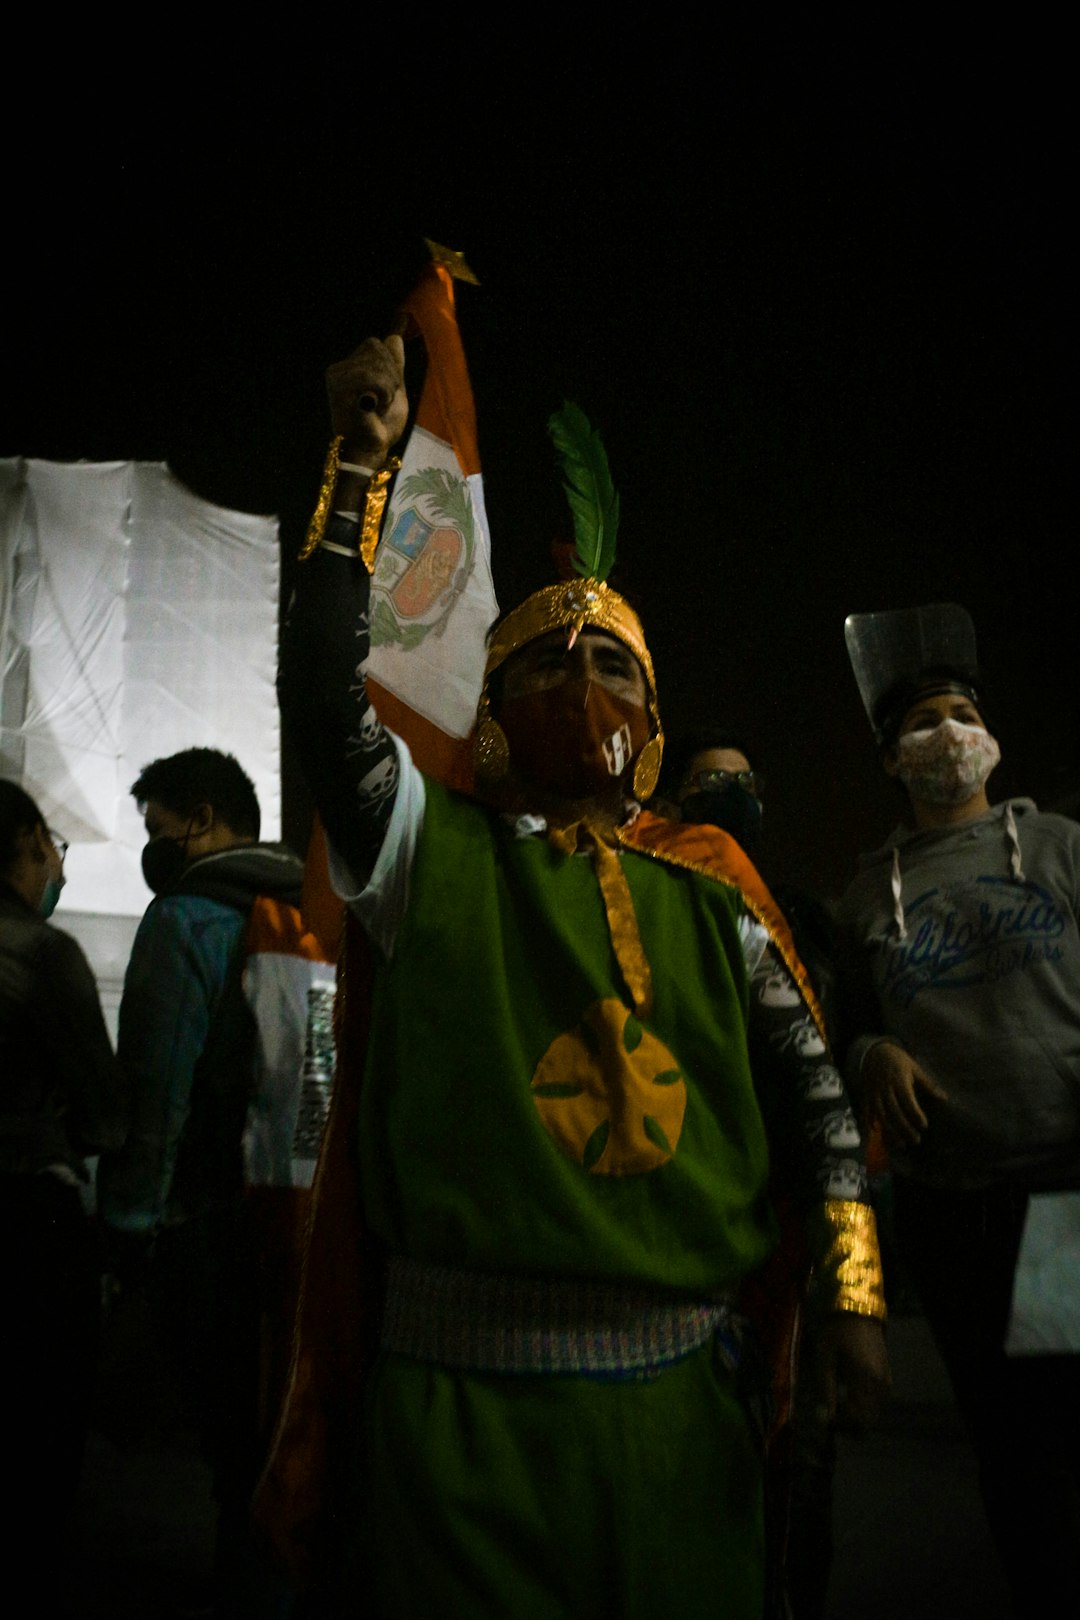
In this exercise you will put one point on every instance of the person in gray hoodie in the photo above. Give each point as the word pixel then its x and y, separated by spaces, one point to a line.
pixel 961 971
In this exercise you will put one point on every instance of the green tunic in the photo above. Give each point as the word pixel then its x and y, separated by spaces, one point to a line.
pixel 517 1118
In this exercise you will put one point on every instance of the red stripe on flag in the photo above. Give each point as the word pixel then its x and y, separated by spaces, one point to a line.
pixel 448 759
pixel 446 407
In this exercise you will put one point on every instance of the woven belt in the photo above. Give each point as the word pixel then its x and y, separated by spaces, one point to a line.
pixel 482 1322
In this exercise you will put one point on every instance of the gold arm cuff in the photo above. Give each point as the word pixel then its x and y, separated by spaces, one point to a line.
pixel 850 1265
pixel 317 526
pixel 374 505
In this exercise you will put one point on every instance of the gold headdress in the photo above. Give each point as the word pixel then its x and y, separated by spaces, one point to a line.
pixel 585 602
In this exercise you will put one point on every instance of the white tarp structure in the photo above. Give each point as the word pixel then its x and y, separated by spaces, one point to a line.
pixel 135 620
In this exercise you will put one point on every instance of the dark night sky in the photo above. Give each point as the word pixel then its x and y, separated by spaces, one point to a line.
pixel 813 294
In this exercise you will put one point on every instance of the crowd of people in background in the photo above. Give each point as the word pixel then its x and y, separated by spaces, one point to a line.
pixel 605 1098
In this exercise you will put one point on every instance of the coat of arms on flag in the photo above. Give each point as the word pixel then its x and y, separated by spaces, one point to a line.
pixel 426 553
pixel 431 592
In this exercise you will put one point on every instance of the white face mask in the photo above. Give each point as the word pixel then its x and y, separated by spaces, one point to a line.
pixel 947 763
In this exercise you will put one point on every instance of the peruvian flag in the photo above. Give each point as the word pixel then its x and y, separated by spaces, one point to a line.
pixel 432 597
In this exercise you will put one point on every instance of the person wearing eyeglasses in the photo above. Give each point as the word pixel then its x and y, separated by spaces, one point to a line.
pixel 214 1099
pixel 707 777
pixel 60 1101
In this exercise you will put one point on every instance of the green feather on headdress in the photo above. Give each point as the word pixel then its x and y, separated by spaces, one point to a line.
pixel 594 501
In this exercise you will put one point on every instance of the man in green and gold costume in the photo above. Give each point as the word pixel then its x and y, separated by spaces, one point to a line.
pixel 589 1071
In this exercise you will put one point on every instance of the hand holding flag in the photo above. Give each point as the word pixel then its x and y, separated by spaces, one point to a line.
pixel 368 404
pixel 432 595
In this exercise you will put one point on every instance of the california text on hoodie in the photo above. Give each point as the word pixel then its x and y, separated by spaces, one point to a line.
pixel 963 947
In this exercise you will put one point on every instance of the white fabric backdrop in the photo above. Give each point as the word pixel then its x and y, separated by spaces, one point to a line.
pixel 135 620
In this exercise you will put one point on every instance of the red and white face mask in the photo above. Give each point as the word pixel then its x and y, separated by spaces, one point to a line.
pixel 573 739
pixel 947 763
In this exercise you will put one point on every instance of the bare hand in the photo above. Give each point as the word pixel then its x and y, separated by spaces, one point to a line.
pixel 852 1370
pixel 368 403
pixel 892 1083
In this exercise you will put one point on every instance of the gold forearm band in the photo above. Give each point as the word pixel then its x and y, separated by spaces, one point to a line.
pixel 371 521
pixel 317 526
pixel 373 508
pixel 851 1262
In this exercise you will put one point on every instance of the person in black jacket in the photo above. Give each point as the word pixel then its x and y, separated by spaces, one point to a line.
pixel 60 1100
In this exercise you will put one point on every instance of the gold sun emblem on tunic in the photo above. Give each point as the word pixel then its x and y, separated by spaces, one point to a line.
pixel 610 1094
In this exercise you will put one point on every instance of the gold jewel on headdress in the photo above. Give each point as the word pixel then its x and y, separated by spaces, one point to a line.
pixel 571 604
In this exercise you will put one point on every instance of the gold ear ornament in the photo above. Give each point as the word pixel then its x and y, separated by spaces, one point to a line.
pixel 647 767
pixel 491 751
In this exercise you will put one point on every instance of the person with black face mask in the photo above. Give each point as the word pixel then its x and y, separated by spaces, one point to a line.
pixel 177 1223
pixel 60 1101
pixel 708 779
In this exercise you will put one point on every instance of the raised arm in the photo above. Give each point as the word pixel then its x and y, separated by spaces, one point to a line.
pixel 348 759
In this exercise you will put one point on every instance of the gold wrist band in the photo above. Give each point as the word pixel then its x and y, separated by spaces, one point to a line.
pixel 373 509
pixel 371 521
pixel 851 1261
pixel 317 526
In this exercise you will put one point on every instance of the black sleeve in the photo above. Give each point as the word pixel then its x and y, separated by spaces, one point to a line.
pixel 347 756
pixel 803 1098
pixel 77 1045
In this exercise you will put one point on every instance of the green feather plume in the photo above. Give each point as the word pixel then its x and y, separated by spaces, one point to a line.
pixel 594 501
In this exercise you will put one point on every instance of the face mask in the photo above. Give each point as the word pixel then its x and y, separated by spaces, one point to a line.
pixel 574 739
pixel 730 807
pixel 948 764
pixel 51 896
pixel 163 862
